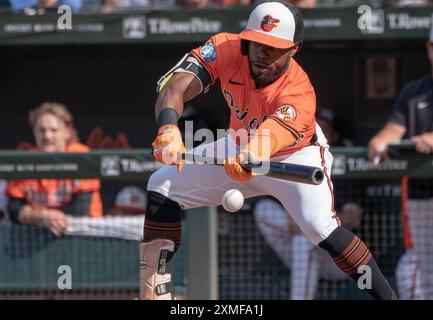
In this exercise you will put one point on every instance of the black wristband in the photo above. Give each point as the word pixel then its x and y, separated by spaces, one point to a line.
pixel 167 116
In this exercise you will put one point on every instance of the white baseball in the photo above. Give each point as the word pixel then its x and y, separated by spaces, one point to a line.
pixel 232 200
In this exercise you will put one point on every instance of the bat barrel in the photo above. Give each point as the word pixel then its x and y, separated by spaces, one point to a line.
pixel 291 172
pixel 278 170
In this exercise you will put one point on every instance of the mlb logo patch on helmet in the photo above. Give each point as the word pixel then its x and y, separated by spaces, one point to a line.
pixel 286 112
pixel 275 24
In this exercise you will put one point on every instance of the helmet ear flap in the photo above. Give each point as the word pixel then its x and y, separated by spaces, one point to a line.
pixel 244 47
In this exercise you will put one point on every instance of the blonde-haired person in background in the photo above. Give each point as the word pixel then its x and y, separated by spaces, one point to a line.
pixel 48 202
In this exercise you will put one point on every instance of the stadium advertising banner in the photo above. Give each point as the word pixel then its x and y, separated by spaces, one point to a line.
pixel 137 164
pixel 353 23
pixel 132 164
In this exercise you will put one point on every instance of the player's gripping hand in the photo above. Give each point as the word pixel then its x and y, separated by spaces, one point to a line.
pixel 168 146
pixel 234 168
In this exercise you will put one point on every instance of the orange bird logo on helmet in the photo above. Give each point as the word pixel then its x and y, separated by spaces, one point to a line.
pixel 268 23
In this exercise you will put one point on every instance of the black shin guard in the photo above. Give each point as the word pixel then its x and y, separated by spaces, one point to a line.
pixel 349 254
pixel 163 219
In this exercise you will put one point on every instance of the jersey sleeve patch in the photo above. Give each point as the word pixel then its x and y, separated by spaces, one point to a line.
pixel 286 112
pixel 208 52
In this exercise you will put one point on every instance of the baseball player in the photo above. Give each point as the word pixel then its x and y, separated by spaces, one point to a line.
pixel 270 96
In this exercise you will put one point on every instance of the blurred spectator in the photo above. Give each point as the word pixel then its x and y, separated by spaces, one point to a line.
pixel 298 3
pixel 40 6
pixel 192 3
pixel 196 3
pixel 304 3
pixel 199 4
pixel 109 6
pixel 412 120
pixel 48 202
pixel 411 3
pixel 232 2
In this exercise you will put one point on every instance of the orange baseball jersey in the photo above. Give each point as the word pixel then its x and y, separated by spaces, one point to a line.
pixel 290 100
pixel 57 193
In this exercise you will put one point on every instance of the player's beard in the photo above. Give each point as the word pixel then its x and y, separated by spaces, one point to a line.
pixel 263 79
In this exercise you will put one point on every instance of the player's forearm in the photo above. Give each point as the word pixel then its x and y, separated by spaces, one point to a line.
pixel 169 99
pixel 392 132
pixel 182 87
pixel 271 137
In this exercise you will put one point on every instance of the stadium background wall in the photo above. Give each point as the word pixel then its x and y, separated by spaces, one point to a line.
pixel 113 86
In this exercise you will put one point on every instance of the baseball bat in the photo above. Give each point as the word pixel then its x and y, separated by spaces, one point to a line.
pixel 285 171
pixel 291 172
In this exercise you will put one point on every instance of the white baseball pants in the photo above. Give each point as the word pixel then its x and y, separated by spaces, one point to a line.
pixel 204 185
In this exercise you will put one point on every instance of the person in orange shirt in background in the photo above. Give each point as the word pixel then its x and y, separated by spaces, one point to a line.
pixel 48 202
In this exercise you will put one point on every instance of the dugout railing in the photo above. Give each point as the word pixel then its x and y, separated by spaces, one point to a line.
pixel 223 256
